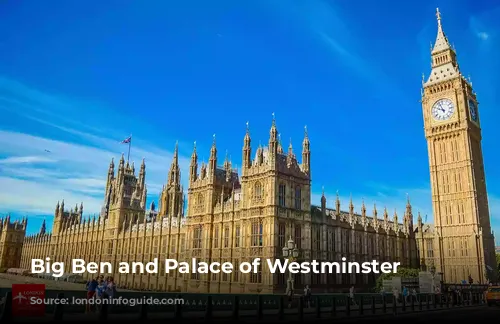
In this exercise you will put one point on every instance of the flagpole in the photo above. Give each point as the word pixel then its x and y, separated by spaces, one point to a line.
pixel 129 144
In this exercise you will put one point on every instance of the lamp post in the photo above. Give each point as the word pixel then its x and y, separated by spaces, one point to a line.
pixel 432 270
pixel 290 252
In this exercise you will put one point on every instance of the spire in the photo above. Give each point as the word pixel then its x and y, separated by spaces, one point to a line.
pixel 43 228
pixel 193 167
pixel 441 43
pixel 306 153
pixel 174 174
pixel 213 149
pixel 444 58
pixel 273 139
pixel 337 204
pixel 323 198
pixel 247 150
pixel 247 140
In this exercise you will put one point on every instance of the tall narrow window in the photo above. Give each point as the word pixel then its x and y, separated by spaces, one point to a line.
pixel 256 235
pixel 256 277
pixel 298 198
pixel 197 238
pixel 281 195
pixel 298 236
pixel 226 236
pixel 281 235
pixel 216 237
pixel 237 236
pixel 257 191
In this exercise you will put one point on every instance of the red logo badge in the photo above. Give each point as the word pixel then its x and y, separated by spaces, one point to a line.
pixel 28 300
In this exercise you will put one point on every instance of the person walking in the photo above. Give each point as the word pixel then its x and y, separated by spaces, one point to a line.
pixel 91 290
pixel 351 296
pixel 289 293
pixel 414 295
pixel 111 288
pixel 307 296
pixel 405 294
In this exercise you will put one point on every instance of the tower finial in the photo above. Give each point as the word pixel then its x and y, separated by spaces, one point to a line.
pixel 248 126
pixel 438 16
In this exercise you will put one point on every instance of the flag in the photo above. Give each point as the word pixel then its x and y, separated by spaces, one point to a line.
pixel 127 140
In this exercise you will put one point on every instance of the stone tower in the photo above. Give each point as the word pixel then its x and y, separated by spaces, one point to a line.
pixel 125 198
pixel 463 241
pixel 11 242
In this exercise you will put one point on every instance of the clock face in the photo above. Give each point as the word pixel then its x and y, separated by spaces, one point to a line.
pixel 473 110
pixel 443 109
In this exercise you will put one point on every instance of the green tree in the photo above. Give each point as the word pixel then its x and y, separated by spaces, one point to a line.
pixel 402 272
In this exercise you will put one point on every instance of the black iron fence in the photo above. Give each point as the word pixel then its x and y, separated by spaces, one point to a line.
pixel 185 306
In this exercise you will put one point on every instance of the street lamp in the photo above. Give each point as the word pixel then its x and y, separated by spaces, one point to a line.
pixel 290 252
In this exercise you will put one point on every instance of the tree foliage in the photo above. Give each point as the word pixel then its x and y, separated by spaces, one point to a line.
pixel 402 272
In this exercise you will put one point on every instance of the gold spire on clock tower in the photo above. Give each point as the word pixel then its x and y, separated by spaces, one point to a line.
pixel 462 239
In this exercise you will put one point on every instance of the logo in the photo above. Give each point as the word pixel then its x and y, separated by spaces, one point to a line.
pixel 27 300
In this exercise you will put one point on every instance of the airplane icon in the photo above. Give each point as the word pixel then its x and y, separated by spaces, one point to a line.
pixel 19 298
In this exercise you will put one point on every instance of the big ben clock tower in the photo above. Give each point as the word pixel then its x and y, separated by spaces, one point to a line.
pixel 463 240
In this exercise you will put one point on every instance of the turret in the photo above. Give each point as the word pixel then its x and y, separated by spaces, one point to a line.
pixel 273 141
pixel 142 174
pixel 337 206
pixel 306 153
pixel 323 201
pixel 212 162
pixel 193 166
pixel 247 150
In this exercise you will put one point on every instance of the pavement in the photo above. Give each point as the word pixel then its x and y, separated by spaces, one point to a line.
pixel 6 281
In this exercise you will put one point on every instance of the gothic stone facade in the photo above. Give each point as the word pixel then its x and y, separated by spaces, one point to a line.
pixel 461 242
pixel 11 242
pixel 229 218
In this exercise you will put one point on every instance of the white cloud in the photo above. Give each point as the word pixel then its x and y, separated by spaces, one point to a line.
pixel 78 173
pixel 38 169
pixel 483 35
pixel 26 159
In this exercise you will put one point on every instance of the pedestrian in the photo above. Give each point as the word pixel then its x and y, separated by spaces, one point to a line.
pixel 414 295
pixel 91 290
pixel 307 296
pixel 405 294
pixel 351 296
pixel 111 287
pixel 395 293
pixel 289 293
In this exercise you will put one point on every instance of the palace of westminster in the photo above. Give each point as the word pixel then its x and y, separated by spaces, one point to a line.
pixel 238 217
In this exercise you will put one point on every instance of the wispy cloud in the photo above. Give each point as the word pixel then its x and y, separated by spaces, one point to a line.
pixel 483 35
pixel 323 21
pixel 75 166
pixel 26 159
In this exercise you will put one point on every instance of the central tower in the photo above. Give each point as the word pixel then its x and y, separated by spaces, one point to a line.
pixel 463 240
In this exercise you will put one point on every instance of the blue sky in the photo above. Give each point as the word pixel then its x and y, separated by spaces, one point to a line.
pixel 76 77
